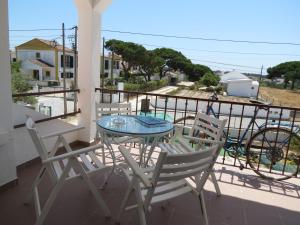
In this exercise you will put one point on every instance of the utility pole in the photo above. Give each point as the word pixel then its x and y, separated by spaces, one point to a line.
pixel 112 67
pixel 102 65
pixel 64 68
pixel 262 67
pixel 75 67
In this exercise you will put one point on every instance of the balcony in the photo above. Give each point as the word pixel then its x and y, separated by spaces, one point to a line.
pixel 246 198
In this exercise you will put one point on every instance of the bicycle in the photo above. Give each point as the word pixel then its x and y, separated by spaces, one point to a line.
pixel 273 151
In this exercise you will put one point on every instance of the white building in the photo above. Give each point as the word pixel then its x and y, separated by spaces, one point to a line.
pixel 43 60
pixel 117 65
pixel 238 84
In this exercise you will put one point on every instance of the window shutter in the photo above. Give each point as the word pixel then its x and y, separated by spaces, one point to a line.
pixel 61 61
pixel 71 61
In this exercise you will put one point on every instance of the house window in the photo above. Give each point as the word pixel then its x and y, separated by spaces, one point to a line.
pixel 37 55
pixel 106 64
pixel 36 74
pixel 68 75
pixel 47 73
pixel 105 75
pixel 68 61
pixel 14 59
pixel 116 65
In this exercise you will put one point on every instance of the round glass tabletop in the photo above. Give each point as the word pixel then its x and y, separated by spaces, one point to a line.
pixel 135 125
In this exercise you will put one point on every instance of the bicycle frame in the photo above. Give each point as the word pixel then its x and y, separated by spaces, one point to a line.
pixel 230 141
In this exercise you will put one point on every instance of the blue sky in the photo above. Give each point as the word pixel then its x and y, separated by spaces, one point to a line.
pixel 255 20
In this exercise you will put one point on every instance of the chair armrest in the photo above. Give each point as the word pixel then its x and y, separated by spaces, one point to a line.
pixel 62 132
pixel 72 154
pixel 135 167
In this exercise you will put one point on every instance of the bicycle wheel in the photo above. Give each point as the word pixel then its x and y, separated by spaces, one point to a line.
pixel 274 153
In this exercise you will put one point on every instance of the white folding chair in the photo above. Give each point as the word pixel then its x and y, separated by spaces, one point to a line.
pixel 167 179
pixel 62 167
pixel 205 131
pixel 105 109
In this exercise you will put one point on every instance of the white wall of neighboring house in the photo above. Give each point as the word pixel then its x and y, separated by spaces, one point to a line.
pixel 116 69
pixel 45 55
pixel 240 88
pixel 27 66
pixel 238 84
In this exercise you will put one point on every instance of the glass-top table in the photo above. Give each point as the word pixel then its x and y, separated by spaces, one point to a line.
pixel 139 126
pixel 148 129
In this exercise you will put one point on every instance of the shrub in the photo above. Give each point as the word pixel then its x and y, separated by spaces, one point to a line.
pixel 210 79
pixel 145 86
pixel 219 89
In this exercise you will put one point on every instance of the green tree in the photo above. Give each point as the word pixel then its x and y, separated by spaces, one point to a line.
pixel 196 71
pixel 151 63
pixel 172 60
pixel 19 84
pixel 288 70
pixel 210 79
pixel 132 54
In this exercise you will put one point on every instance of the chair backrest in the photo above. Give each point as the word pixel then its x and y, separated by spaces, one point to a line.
pixel 36 138
pixel 178 166
pixel 175 167
pixel 105 109
pixel 208 127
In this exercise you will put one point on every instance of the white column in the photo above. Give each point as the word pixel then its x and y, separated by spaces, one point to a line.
pixel 89 41
pixel 7 160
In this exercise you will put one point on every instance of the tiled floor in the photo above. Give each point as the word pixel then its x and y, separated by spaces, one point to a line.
pixel 245 200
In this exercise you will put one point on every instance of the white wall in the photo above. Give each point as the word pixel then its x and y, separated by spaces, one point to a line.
pixel 274 113
pixel 240 88
pixel 7 160
pixel 46 55
pixel 254 88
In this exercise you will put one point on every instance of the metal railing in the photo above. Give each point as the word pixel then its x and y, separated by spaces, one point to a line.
pixel 182 110
pixel 43 93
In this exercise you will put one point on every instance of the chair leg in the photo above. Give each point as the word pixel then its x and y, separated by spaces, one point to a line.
pixel 94 191
pixel 140 203
pixel 215 182
pixel 203 208
pixel 107 178
pixel 53 195
pixel 35 184
pixel 124 202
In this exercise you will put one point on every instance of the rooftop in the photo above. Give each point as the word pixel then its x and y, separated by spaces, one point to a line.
pixel 234 75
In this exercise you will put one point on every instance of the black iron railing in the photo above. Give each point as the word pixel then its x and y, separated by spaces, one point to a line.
pixel 182 110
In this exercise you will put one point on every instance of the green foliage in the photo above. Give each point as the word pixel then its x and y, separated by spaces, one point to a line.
pixel 159 60
pixel 210 79
pixel 151 63
pixel 171 59
pixel 15 67
pixel 146 86
pixel 133 54
pixel 219 89
pixel 196 71
pixel 289 70
pixel 20 85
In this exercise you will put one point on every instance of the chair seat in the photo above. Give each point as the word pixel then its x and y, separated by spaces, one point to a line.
pixel 178 146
